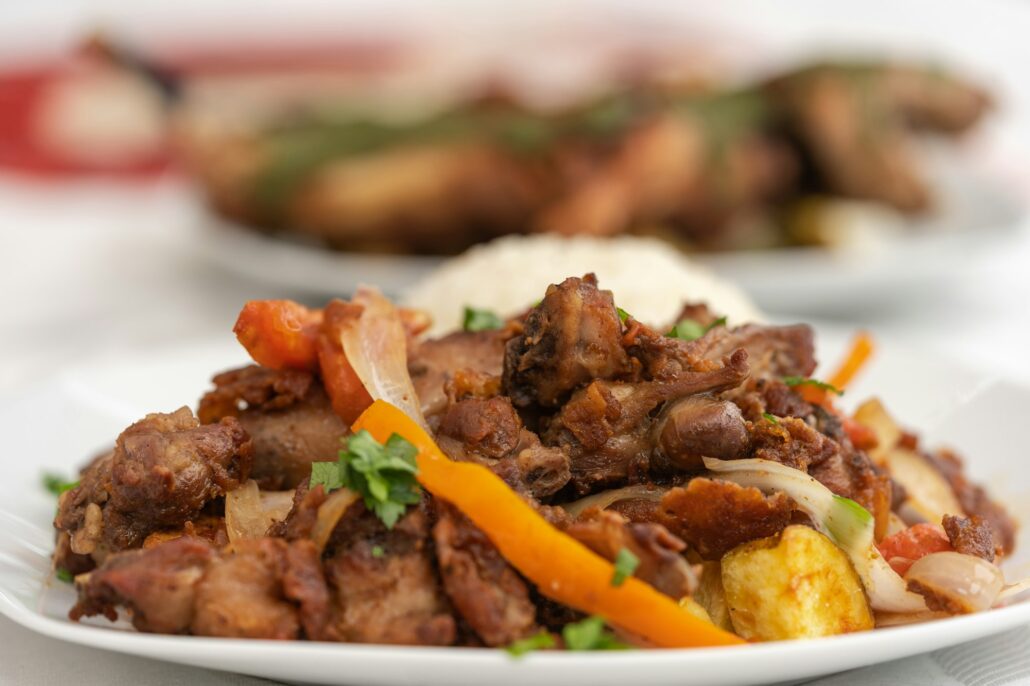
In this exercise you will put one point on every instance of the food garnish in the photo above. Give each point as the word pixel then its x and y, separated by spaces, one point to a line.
pixel 562 568
pixel 625 564
pixel 690 329
pixel 57 485
pixel 538 641
pixel 590 634
pixel 481 320
pixel 383 473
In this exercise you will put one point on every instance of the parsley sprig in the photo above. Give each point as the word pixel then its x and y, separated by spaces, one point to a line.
pixel 481 320
pixel 57 484
pixel 690 329
pixel 538 641
pixel 793 381
pixel 769 417
pixel 587 634
pixel 625 564
pixel 384 474
pixel 590 634
pixel 623 314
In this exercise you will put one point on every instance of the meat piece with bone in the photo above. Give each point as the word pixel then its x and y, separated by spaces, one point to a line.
pixel 574 336
pixel 606 426
pixel 162 472
pixel 287 416
pixel 489 431
pixel 485 590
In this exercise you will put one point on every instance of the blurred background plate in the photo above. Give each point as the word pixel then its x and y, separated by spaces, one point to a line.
pixel 889 259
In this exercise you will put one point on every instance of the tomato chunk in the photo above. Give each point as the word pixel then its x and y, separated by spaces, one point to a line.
pixel 902 549
pixel 280 334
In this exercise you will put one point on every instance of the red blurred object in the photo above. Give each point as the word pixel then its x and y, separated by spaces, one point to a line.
pixel 23 94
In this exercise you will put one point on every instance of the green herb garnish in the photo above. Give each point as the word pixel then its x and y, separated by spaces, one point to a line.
pixel 384 474
pixel 623 314
pixel 689 329
pixel 481 320
pixel 377 551
pixel 57 484
pixel 64 575
pixel 804 381
pixel 625 564
pixel 590 634
pixel 770 418
pixel 538 641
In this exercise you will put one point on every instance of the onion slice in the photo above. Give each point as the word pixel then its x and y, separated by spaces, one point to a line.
pixel 376 348
pixel 329 514
pixel 962 584
pixel 843 521
pixel 606 499
pixel 249 511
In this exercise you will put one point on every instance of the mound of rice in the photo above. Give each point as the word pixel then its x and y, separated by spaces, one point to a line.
pixel 649 279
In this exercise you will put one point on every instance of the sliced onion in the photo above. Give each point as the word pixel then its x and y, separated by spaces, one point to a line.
pixel 249 511
pixel 329 514
pixel 376 348
pixel 841 520
pixel 1013 593
pixel 966 582
pixel 606 499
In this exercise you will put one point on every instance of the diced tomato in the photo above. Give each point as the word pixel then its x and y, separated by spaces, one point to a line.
pixel 280 334
pixel 902 549
pixel 346 392
pixel 862 437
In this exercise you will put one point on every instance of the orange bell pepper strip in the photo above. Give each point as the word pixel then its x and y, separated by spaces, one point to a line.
pixel 858 355
pixel 346 392
pixel 562 568
pixel 280 334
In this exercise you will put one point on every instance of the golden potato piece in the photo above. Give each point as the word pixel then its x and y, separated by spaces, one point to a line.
pixel 711 596
pixel 795 585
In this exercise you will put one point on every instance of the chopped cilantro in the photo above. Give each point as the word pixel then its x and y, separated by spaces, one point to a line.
pixel 57 484
pixel 803 381
pixel 770 418
pixel 689 329
pixel 481 320
pixel 623 314
pixel 537 641
pixel 377 551
pixel 64 575
pixel 384 474
pixel 625 564
pixel 327 474
pixel 590 634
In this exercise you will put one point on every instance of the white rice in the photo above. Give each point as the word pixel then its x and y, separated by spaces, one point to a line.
pixel 650 279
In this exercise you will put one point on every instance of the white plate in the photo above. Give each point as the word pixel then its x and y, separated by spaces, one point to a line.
pixel 892 257
pixel 63 422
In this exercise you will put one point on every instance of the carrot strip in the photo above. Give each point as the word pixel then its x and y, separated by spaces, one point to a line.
pixel 279 334
pixel 562 568
pixel 861 349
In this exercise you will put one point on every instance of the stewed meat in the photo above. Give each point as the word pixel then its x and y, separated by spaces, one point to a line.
pixel 659 552
pixel 699 426
pixel 287 416
pixel 384 584
pixel 164 469
pixel 484 589
pixel 970 536
pixel 714 517
pixel 156 585
pixel 572 337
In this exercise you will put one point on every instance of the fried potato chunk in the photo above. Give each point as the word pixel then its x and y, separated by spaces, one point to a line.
pixel 795 585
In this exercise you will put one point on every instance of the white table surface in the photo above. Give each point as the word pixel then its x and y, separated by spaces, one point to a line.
pixel 92 267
